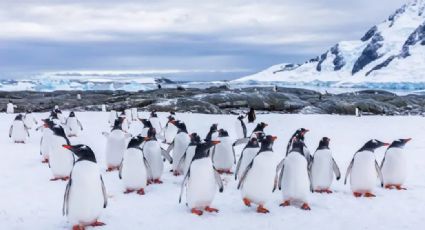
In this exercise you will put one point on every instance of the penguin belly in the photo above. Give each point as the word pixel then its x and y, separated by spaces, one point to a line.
pixel 133 171
pixel 61 160
pixel 85 194
pixel 223 154
pixel 247 155
pixel 152 152
pixel 322 170
pixel 363 174
pixel 115 147
pixel 144 132
pixel 295 181
pixel 156 124
pixel 45 143
pixel 239 130
pixel 29 120
pixel 259 182
pixel 125 125
pixel 181 142
pixel 10 108
pixel 134 114
pixel 128 115
pixel 394 169
pixel 170 133
pixel 136 128
pixel 72 127
pixel 19 134
pixel 201 186
pixel 190 153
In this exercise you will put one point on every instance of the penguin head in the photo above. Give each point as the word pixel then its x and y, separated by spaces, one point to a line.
pixel 298 146
pixel 135 142
pixel 172 113
pixel 146 123
pixel 201 150
pixel 400 143
pixel 223 133
pixel 171 120
pixel 267 143
pixel 19 117
pixel 372 145
pixel 53 115
pixel 151 134
pixel 117 124
pixel 260 127
pixel 240 117
pixel 60 132
pixel 58 111
pixel 72 114
pixel 253 142
pixel 259 135
pixel 48 123
pixel 181 126
pixel 195 139
pixel 83 152
pixel 122 113
pixel 153 113
pixel 324 143
pixel 213 128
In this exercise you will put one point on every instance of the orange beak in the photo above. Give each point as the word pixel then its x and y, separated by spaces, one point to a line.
pixel 67 146
pixel 146 138
pixel 408 139
pixel 386 144
pixel 265 125
pixel 274 138
pixel 215 142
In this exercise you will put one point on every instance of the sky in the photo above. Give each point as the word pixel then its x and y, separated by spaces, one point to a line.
pixel 229 37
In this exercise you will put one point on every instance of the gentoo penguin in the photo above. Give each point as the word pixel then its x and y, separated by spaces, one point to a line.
pixel 201 180
pixel 134 114
pixel 124 121
pixel 60 116
pixel 134 169
pixel 364 169
pixel 61 160
pixel 257 181
pixel 251 115
pixel 128 115
pixel 18 130
pixel 115 146
pixel 153 153
pixel 85 194
pixel 112 117
pixel 170 130
pixel 223 155
pixel 156 122
pixel 179 147
pixel 146 126
pixel 45 139
pixel 240 127
pixel 73 125
pixel 54 117
pixel 195 139
pixel 259 128
pixel 10 107
pixel 248 153
pixel 213 133
pixel 30 120
pixel 299 135
pixel 293 177
pixel 393 166
pixel 323 168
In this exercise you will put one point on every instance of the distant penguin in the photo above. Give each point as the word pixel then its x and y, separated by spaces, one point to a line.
pixel 112 117
pixel 134 114
pixel 60 116
pixel 115 146
pixel 195 139
pixel 103 108
pixel 73 125
pixel 47 133
pixel 258 129
pixel 85 194
pixel 30 120
pixel 257 181
pixel 294 177
pixel 240 127
pixel 223 155
pixel 201 181
pixel 153 153
pixel 18 130
pixel 323 168
pixel 156 122
pixel 124 121
pixel 170 130
pixel 213 133
pixel 128 115
pixel 248 153
pixel 54 118
pixel 179 146
pixel 10 107
pixel 251 115
pixel 364 169
pixel 134 169
pixel 61 160
pixel 299 135
pixel 394 166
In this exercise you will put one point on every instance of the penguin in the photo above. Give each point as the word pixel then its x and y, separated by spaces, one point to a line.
pixel 112 117
pixel 146 126
pixel 213 133
pixel 54 117
pixel 153 153
pixel 240 127
pixel 293 176
pixel 248 153
pixel 29 119
pixel 364 169
pixel 257 181
pixel 156 122
pixel 195 139
pixel 323 168
pixel 61 160
pixel 10 107
pixel 134 169
pixel 85 194
pixel 73 125
pixel 124 121
pixel 223 155
pixel 251 115
pixel 259 128
pixel 115 146
pixel 45 140
pixel 299 135
pixel 179 146
pixel 128 115
pixel 60 116
pixel 394 166
pixel 18 130
pixel 170 130
pixel 134 114
pixel 201 180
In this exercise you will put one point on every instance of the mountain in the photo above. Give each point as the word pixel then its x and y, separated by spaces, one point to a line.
pixel 389 55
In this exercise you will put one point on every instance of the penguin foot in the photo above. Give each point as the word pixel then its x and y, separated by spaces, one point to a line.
pixel 60 178
pixel 196 211
pixel 306 207
pixel 175 173
pixel 97 224
pixel 247 202
pixel 398 187
pixel 357 194
pixel 209 209
pixel 389 186
pixel 328 191
pixel 285 203
pixel 45 161
pixel 127 191
pixel 78 227
pixel 141 191
pixel 112 168
pixel 19 142
pixel 368 194
pixel 224 171
pixel 157 181
pixel 65 178
pixel 261 209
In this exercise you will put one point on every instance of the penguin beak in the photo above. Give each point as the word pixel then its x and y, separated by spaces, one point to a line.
pixel 386 144
pixel 69 147
pixel 215 142
pixel 146 138
pixel 173 122
pixel 407 140
pixel 45 125
pixel 274 138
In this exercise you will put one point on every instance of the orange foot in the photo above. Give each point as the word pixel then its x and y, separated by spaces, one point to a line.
pixel 305 206
pixel 157 181
pixel 209 209
pixel 45 161
pixel 328 191
pixel 398 187
pixel 285 203
pixel 97 223
pixel 368 194
pixel 141 191
pixel 261 209
pixel 175 173
pixel 127 191
pixel 78 227
pixel 357 194
pixel 65 178
pixel 247 202
pixel 389 186
pixel 318 190
pixel 196 211
pixel 112 168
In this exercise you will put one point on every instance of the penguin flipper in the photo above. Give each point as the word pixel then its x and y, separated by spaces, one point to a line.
pixel 79 123
pixel 243 177
pixel 279 171
pixel 349 170
pixel 10 131
pixel 120 170
pixel 378 170
pixel 166 155
pixel 183 184
pixel 66 198
pixel 105 196
pixel 27 130
pixel 240 141
pixel 383 160
pixel 218 180
pixel 238 166
pixel 336 169
pixel 170 147
pixel 234 155
pixel 41 142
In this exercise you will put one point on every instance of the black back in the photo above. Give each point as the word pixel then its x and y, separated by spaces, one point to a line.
pixel 213 129
pixel 372 145
pixel 181 126
pixel 19 117
pixel 223 133
pixel 59 131
pixel 260 127
pixel 135 142
pixel 202 150
pixel 72 114
pixel 400 143
pixel 324 143
pixel 267 144
pixel 83 152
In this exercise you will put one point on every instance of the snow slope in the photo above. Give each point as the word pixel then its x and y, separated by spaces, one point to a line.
pixel 390 55
pixel 28 200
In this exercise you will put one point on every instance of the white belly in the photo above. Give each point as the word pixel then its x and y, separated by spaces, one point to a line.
pixel 223 155
pixel 85 195
pixel 239 129
pixel 190 153
pixel 201 187
pixel 19 133
pixel 125 125
pixel 115 147
pixel 10 108
pixel 170 133
pixel 156 124
pixel 29 121
pixel 295 181
pixel 128 115
pixel 322 170
pixel 72 126
pixel 45 142
pixel 363 174
pixel 394 169
pixel 181 143
pixel 248 155
pixel 136 128
pixel 61 160
pixel 134 114
pixel 152 152
pixel 259 182
pixel 133 172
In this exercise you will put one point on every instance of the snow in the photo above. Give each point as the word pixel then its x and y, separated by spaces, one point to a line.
pixel 30 200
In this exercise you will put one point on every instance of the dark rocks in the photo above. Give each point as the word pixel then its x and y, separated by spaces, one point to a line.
pixel 369 54
pixel 369 33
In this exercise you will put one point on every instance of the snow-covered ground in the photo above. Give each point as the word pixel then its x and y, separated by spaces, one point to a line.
pixel 28 200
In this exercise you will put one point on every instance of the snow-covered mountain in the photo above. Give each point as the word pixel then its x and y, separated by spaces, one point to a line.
pixel 389 55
